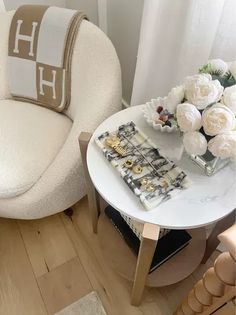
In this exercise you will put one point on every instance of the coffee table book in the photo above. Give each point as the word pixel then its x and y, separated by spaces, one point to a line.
pixel 167 246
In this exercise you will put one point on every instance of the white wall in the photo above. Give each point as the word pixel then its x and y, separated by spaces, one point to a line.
pixel 90 7
pixel 123 28
pixel 13 4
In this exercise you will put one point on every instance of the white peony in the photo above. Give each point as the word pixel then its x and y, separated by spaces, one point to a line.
pixel 218 65
pixel 229 98
pixel 224 145
pixel 218 119
pixel 195 143
pixel 203 77
pixel 188 117
pixel 174 98
pixel 201 91
pixel 232 68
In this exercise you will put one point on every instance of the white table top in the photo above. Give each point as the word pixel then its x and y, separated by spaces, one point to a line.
pixel 207 200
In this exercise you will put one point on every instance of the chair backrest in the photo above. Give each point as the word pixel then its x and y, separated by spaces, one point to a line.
pixel 218 285
pixel 96 75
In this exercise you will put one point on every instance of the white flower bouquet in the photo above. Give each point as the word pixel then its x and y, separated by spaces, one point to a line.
pixel 207 116
pixel 204 107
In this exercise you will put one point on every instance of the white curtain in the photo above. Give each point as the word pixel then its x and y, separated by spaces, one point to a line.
pixel 177 37
pixel 2 6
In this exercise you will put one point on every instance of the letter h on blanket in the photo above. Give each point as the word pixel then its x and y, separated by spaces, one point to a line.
pixel 27 38
pixel 43 82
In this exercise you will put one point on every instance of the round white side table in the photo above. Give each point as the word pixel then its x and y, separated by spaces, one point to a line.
pixel 208 200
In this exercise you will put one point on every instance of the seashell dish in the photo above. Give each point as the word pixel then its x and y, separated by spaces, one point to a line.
pixel 158 117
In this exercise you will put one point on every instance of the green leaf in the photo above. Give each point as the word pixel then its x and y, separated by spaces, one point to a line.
pixel 208 69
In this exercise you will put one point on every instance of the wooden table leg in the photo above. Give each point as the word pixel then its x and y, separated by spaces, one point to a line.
pixel 145 256
pixel 213 241
pixel 93 196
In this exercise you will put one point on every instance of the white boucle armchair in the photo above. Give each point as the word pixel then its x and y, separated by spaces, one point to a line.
pixel 40 163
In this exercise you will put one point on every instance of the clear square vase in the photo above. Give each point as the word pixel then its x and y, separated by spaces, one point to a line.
pixel 209 163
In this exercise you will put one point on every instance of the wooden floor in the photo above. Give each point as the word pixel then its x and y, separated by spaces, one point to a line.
pixel 48 264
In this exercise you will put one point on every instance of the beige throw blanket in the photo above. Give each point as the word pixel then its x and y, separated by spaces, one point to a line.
pixel 40 51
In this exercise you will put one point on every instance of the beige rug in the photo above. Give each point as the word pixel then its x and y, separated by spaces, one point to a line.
pixel 87 305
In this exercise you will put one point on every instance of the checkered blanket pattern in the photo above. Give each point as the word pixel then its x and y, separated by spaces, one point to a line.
pixel 40 50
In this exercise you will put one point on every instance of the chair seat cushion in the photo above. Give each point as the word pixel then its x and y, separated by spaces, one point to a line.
pixel 30 139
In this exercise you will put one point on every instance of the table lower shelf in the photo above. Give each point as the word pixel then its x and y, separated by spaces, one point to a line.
pixel 123 260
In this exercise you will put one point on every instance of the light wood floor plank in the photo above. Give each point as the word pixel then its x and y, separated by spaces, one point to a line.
pixel 68 263
pixel 19 293
pixel 155 301
pixel 47 243
pixel 64 285
pixel 112 289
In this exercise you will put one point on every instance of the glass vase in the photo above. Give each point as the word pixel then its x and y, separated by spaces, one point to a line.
pixel 209 163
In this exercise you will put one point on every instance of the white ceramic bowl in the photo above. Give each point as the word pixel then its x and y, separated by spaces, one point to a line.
pixel 151 115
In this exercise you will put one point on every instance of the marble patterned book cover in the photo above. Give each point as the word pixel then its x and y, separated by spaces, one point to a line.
pixel 152 177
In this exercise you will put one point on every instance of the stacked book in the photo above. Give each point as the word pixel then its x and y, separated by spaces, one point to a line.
pixel 137 227
pixel 169 243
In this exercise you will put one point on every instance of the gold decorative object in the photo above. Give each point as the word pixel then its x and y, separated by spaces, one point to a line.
pixel 144 181
pixel 137 169
pixel 165 184
pixel 147 185
pixel 150 188
pixel 129 163
pixel 114 143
